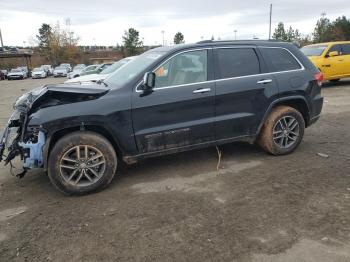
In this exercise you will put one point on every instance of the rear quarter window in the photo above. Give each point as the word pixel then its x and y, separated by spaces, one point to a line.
pixel 280 59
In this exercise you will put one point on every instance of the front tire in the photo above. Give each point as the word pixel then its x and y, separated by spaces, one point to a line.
pixel 283 131
pixel 82 162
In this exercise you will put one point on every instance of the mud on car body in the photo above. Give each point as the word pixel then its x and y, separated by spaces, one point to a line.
pixel 167 100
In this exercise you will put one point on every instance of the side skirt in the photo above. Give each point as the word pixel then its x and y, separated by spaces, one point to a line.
pixel 133 159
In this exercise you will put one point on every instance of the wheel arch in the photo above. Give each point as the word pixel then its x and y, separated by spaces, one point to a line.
pixel 57 135
pixel 297 102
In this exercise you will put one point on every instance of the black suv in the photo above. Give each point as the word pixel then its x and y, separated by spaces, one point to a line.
pixel 167 100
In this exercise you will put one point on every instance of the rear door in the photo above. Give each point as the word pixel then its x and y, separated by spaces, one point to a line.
pixel 289 73
pixel 243 91
pixel 179 111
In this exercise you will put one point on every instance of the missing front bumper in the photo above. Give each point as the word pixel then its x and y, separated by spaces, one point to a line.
pixel 15 141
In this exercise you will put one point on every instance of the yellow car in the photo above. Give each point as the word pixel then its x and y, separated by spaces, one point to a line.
pixel 332 59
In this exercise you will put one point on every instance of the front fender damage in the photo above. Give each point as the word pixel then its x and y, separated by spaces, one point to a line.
pixel 22 139
pixel 15 142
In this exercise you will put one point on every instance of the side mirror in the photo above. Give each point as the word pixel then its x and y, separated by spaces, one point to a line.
pixel 333 53
pixel 149 80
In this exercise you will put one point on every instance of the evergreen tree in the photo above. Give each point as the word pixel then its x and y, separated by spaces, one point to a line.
pixel 132 42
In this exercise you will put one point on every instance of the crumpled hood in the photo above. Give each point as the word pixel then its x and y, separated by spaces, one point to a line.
pixel 61 93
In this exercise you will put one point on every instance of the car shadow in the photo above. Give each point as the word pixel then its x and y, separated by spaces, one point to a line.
pixel 189 163
pixel 341 83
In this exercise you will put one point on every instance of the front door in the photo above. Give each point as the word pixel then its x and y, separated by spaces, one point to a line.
pixel 333 66
pixel 179 111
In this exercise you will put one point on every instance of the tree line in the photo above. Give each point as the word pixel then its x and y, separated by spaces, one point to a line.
pixel 324 31
pixel 59 45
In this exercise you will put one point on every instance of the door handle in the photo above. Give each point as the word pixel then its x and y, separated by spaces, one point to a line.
pixel 264 81
pixel 201 90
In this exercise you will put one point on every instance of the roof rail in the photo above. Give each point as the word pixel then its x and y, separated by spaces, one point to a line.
pixel 205 42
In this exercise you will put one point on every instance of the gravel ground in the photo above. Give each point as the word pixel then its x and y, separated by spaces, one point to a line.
pixel 179 208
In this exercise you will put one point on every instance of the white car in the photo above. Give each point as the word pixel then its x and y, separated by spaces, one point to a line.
pixel 48 69
pixel 16 74
pixel 60 71
pixel 39 72
pixel 76 71
pixel 66 65
pixel 104 73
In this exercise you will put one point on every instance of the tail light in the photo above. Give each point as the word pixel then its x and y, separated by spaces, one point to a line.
pixel 319 78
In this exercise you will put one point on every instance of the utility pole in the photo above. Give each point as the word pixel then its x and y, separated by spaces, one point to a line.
pixel 235 34
pixel 163 38
pixel 270 21
pixel 2 44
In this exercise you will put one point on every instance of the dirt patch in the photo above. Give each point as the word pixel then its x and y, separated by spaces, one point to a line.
pixel 308 250
pixel 205 182
pixel 11 212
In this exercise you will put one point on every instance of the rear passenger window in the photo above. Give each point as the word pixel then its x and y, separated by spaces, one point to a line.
pixel 235 62
pixel 346 49
pixel 280 59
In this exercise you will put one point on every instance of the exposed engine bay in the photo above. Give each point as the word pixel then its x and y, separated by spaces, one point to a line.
pixel 27 142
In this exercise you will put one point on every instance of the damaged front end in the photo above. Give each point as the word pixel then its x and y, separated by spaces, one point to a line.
pixel 22 139
pixel 17 141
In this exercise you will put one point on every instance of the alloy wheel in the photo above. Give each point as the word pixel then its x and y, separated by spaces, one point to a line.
pixel 82 165
pixel 286 132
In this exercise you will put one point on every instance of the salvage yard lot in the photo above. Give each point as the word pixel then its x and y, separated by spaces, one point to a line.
pixel 179 208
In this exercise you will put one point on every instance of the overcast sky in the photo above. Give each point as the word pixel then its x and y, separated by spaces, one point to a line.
pixel 102 22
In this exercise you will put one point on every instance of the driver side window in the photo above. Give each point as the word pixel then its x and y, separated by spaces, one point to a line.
pixel 185 68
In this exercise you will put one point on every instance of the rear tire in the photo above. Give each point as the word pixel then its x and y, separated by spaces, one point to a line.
pixel 282 131
pixel 82 162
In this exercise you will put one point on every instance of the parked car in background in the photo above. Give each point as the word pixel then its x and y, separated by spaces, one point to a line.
pixel 13 50
pixel 48 69
pixel 94 69
pixel 76 71
pixel 25 70
pixel 39 72
pixel 332 59
pixel 68 66
pixel 60 71
pixel 103 74
pixel 17 73
pixel 167 100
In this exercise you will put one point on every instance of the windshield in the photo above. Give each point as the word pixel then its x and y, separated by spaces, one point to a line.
pixel 78 67
pixel 114 67
pixel 133 68
pixel 314 50
pixel 60 68
pixel 37 69
pixel 16 70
